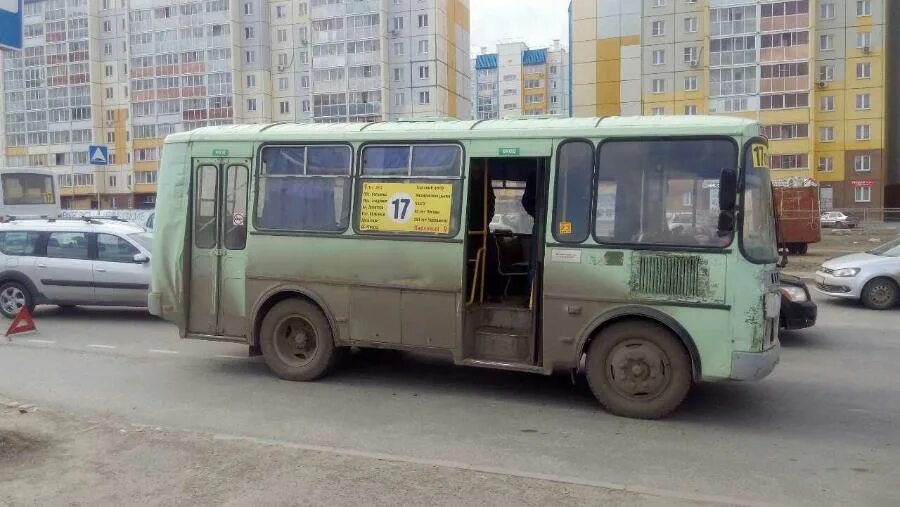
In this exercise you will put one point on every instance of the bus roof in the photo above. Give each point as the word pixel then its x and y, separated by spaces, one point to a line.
pixel 448 128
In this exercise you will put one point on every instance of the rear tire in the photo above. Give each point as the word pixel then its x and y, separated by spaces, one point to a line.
pixel 880 294
pixel 638 369
pixel 13 297
pixel 297 342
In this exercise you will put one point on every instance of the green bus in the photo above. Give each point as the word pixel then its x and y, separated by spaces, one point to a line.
pixel 639 250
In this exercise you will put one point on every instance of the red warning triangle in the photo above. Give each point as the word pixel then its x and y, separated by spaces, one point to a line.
pixel 22 323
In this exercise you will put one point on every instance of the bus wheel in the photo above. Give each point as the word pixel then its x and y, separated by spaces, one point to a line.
pixel 638 369
pixel 296 341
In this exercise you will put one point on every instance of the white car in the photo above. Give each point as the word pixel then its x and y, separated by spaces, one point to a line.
pixel 872 277
pixel 93 261
pixel 838 220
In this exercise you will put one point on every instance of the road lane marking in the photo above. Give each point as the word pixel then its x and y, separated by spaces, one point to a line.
pixel 100 346
pixel 162 351
pixel 46 342
pixel 226 356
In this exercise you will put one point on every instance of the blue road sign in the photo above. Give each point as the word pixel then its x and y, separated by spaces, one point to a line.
pixel 11 24
pixel 98 155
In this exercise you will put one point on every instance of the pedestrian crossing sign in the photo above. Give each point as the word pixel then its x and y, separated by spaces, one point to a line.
pixel 98 155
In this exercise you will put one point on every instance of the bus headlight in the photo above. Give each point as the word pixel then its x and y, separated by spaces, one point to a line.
pixel 846 272
pixel 794 294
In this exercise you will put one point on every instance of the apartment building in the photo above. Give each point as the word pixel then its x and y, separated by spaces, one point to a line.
pixel 516 81
pixel 813 72
pixel 126 73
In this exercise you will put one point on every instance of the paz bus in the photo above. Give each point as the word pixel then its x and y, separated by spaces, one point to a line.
pixel 641 248
pixel 28 192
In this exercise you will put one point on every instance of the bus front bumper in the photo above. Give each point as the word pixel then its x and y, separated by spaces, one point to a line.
pixel 154 304
pixel 754 365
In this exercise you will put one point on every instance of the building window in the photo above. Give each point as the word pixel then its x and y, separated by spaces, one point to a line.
pixel 799 161
pixel 251 104
pixel 399 99
pixel 251 80
pixel 690 83
pixel 691 25
pixel 659 3
pixel 398 74
pixel 423 20
pixel 691 55
pixel 304 81
pixel 826 42
pixel 863 40
pixel 862 163
pixel 659 86
pixel 280 11
pixel 282 35
pixel 284 107
pixel 863 8
pixel 658 28
pixel 248 8
pixel 303 10
pixel 862 194
pixel 424 98
pixel 424 72
pixel 826 73
pixel 826 164
pixel 398 23
pixel 249 33
pixel 282 84
pixel 863 102
pixel 399 49
pixel 109 92
pixel 305 106
pixel 786 131
pixel 423 47
pixel 826 134
pixel 108 71
pixel 690 110
pixel 658 111
pixel 826 104
pixel 250 56
pixel 863 70
pixel 826 11
pixel 107 26
pixel 659 57
pixel 863 132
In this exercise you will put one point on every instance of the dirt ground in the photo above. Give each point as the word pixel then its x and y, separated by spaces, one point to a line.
pixel 837 242
pixel 49 458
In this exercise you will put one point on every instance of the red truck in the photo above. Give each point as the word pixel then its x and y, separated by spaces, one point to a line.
pixel 797 211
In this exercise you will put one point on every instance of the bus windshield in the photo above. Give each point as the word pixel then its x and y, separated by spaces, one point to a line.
pixel 28 188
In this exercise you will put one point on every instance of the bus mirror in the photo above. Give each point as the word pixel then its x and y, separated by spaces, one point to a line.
pixel 728 190
pixel 726 223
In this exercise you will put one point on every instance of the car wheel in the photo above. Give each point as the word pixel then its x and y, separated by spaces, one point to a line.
pixel 880 294
pixel 13 297
pixel 638 369
pixel 802 248
pixel 297 342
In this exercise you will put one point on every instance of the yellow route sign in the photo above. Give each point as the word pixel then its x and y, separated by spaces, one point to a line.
pixel 406 207
pixel 760 154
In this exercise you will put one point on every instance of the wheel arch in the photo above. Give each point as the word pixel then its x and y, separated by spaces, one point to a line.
pixel 281 293
pixel 636 312
pixel 12 275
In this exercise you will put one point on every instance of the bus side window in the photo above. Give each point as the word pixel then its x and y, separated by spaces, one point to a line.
pixel 574 172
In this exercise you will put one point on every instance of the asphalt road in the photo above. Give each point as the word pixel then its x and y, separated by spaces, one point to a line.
pixel 824 429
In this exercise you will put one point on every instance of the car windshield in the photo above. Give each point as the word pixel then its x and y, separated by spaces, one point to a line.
pixel 145 239
pixel 889 249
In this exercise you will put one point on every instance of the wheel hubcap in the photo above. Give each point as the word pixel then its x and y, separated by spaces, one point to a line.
pixel 638 369
pixel 295 341
pixel 12 300
pixel 881 294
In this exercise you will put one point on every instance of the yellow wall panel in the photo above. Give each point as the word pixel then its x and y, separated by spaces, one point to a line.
pixel 609 71
pixel 609 49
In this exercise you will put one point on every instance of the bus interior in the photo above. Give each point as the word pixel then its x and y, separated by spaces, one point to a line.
pixel 504 257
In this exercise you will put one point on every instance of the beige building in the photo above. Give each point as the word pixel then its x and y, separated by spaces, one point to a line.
pixel 126 74
pixel 813 72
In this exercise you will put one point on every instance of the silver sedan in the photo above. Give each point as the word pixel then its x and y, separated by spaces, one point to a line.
pixel 872 277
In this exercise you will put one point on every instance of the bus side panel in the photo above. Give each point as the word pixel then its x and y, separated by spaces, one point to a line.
pixel 170 236
pixel 393 292
pixel 584 287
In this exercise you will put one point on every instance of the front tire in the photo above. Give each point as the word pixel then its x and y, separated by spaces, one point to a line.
pixel 297 342
pixel 880 294
pixel 638 369
pixel 13 297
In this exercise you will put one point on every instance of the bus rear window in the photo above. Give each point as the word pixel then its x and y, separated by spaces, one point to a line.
pixel 24 188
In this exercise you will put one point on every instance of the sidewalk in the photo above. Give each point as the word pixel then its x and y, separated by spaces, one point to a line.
pixel 48 458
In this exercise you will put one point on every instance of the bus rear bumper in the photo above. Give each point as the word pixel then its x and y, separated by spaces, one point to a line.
pixel 754 365
pixel 154 304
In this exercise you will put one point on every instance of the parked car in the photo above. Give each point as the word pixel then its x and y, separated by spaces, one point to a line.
pixel 838 220
pixel 798 311
pixel 872 277
pixel 90 261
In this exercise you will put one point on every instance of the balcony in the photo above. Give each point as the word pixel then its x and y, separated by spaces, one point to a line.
pixel 325 37
pixel 364 32
pixel 326 62
pixel 328 11
pixel 329 86
pixel 364 84
pixel 372 58
pixel 363 7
